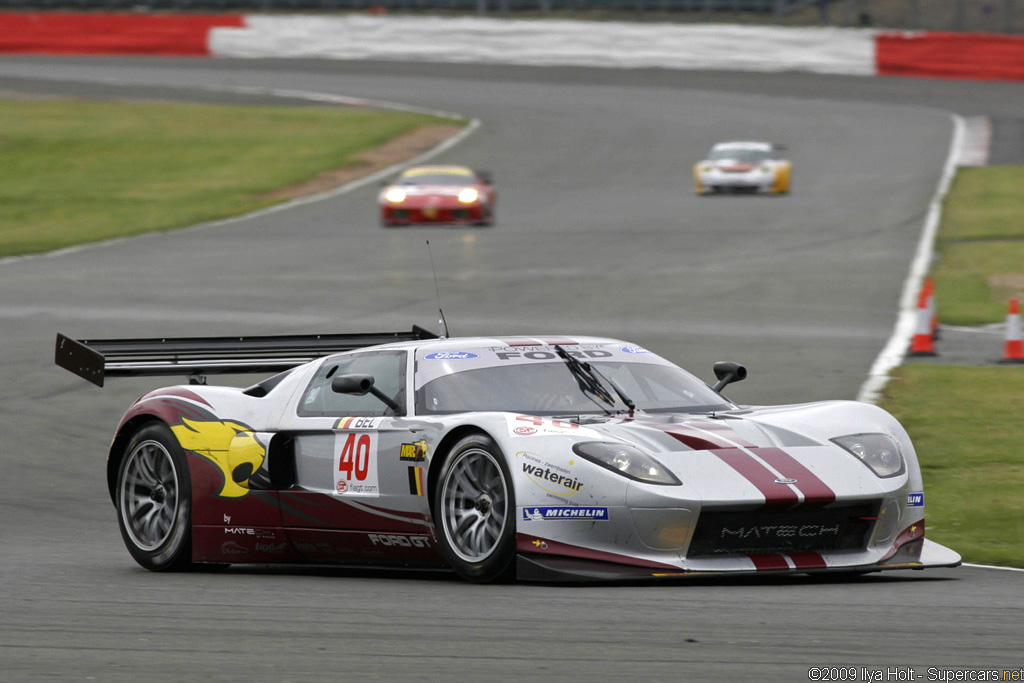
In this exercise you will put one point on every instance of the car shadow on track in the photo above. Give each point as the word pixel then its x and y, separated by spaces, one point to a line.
pixel 446 576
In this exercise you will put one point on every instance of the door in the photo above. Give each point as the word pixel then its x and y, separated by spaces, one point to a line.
pixel 360 491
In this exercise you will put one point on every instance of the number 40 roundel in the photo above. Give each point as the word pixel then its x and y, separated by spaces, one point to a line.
pixel 355 472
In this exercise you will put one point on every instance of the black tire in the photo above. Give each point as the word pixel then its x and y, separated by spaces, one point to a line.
pixel 474 510
pixel 154 500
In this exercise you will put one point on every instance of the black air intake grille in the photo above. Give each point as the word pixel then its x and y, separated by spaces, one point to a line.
pixel 797 530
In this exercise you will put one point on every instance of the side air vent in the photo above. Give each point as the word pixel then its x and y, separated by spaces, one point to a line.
pixel 281 461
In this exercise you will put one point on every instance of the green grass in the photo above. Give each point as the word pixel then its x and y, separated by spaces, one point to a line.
pixel 76 172
pixel 967 429
pixel 966 421
pixel 980 246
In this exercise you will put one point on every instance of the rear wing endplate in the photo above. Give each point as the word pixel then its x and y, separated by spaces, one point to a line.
pixel 99 358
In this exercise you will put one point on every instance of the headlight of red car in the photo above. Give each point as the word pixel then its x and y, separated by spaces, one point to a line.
pixel 468 195
pixel 395 195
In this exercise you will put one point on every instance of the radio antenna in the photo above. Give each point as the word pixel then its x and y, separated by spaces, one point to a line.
pixel 441 321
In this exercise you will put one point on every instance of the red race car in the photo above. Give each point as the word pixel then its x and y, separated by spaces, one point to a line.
pixel 438 194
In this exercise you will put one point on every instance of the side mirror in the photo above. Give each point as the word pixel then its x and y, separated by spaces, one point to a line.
pixel 485 177
pixel 728 372
pixel 357 385
pixel 360 385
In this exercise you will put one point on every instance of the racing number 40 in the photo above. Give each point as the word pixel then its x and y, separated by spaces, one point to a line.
pixel 355 457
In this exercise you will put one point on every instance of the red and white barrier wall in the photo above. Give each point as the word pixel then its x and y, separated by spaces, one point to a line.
pixel 96 34
pixel 950 55
pixel 862 52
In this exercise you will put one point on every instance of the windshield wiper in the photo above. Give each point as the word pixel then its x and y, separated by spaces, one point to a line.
pixel 618 390
pixel 590 383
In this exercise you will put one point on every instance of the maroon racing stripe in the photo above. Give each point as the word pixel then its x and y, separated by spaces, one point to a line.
pixel 726 431
pixel 696 441
pixel 519 341
pixel 695 435
pixel 183 393
pixel 816 492
pixel 560 341
pixel 777 496
pixel 767 562
pixel 807 560
pixel 526 543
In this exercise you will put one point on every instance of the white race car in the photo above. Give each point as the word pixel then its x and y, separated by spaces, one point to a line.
pixel 743 167
pixel 544 458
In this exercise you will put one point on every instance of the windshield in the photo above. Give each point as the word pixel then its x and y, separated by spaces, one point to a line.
pixel 751 156
pixel 461 179
pixel 552 389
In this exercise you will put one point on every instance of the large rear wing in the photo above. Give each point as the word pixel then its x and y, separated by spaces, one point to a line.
pixel 198 356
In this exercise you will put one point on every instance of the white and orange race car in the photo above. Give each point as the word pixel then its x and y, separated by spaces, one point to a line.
pixel 438 194
pixel 750 167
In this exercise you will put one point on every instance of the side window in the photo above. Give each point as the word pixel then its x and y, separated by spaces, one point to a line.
pixel 387 368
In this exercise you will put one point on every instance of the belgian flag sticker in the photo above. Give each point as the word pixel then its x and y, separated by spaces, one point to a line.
pixel 416 481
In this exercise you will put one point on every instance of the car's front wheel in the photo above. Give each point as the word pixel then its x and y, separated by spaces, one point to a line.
pixel 154 499
pixel 474 509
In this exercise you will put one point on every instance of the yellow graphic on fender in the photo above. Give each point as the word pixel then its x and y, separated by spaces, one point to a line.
pixel 416 452
pixel 230 446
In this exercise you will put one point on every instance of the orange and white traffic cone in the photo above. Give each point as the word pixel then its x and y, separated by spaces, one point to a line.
pixel 921 344
pixel 933 317
pixel 1013 350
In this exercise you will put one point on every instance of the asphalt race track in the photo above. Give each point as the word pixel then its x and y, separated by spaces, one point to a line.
pixel 598 231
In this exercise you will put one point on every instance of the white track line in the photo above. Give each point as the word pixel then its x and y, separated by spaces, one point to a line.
pixel 895 349
pixel 992 566
pixel 311 96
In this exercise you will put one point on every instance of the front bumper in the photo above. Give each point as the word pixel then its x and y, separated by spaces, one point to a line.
pixel 753 181
pixel 917 554
pixel 657 535
pixel 461 213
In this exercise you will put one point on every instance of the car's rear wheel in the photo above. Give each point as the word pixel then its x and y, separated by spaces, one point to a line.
pixel 154 498
pixel 474 508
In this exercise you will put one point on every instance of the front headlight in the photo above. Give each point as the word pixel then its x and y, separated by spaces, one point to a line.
pixel 766 169
pixel 468 195
pixel 629 461
pixel 878 451
pixel 395 194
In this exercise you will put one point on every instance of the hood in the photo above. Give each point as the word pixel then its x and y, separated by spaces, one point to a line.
pixel 687 432
pixel 736 459
pixel 733 166
pixel 437 190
